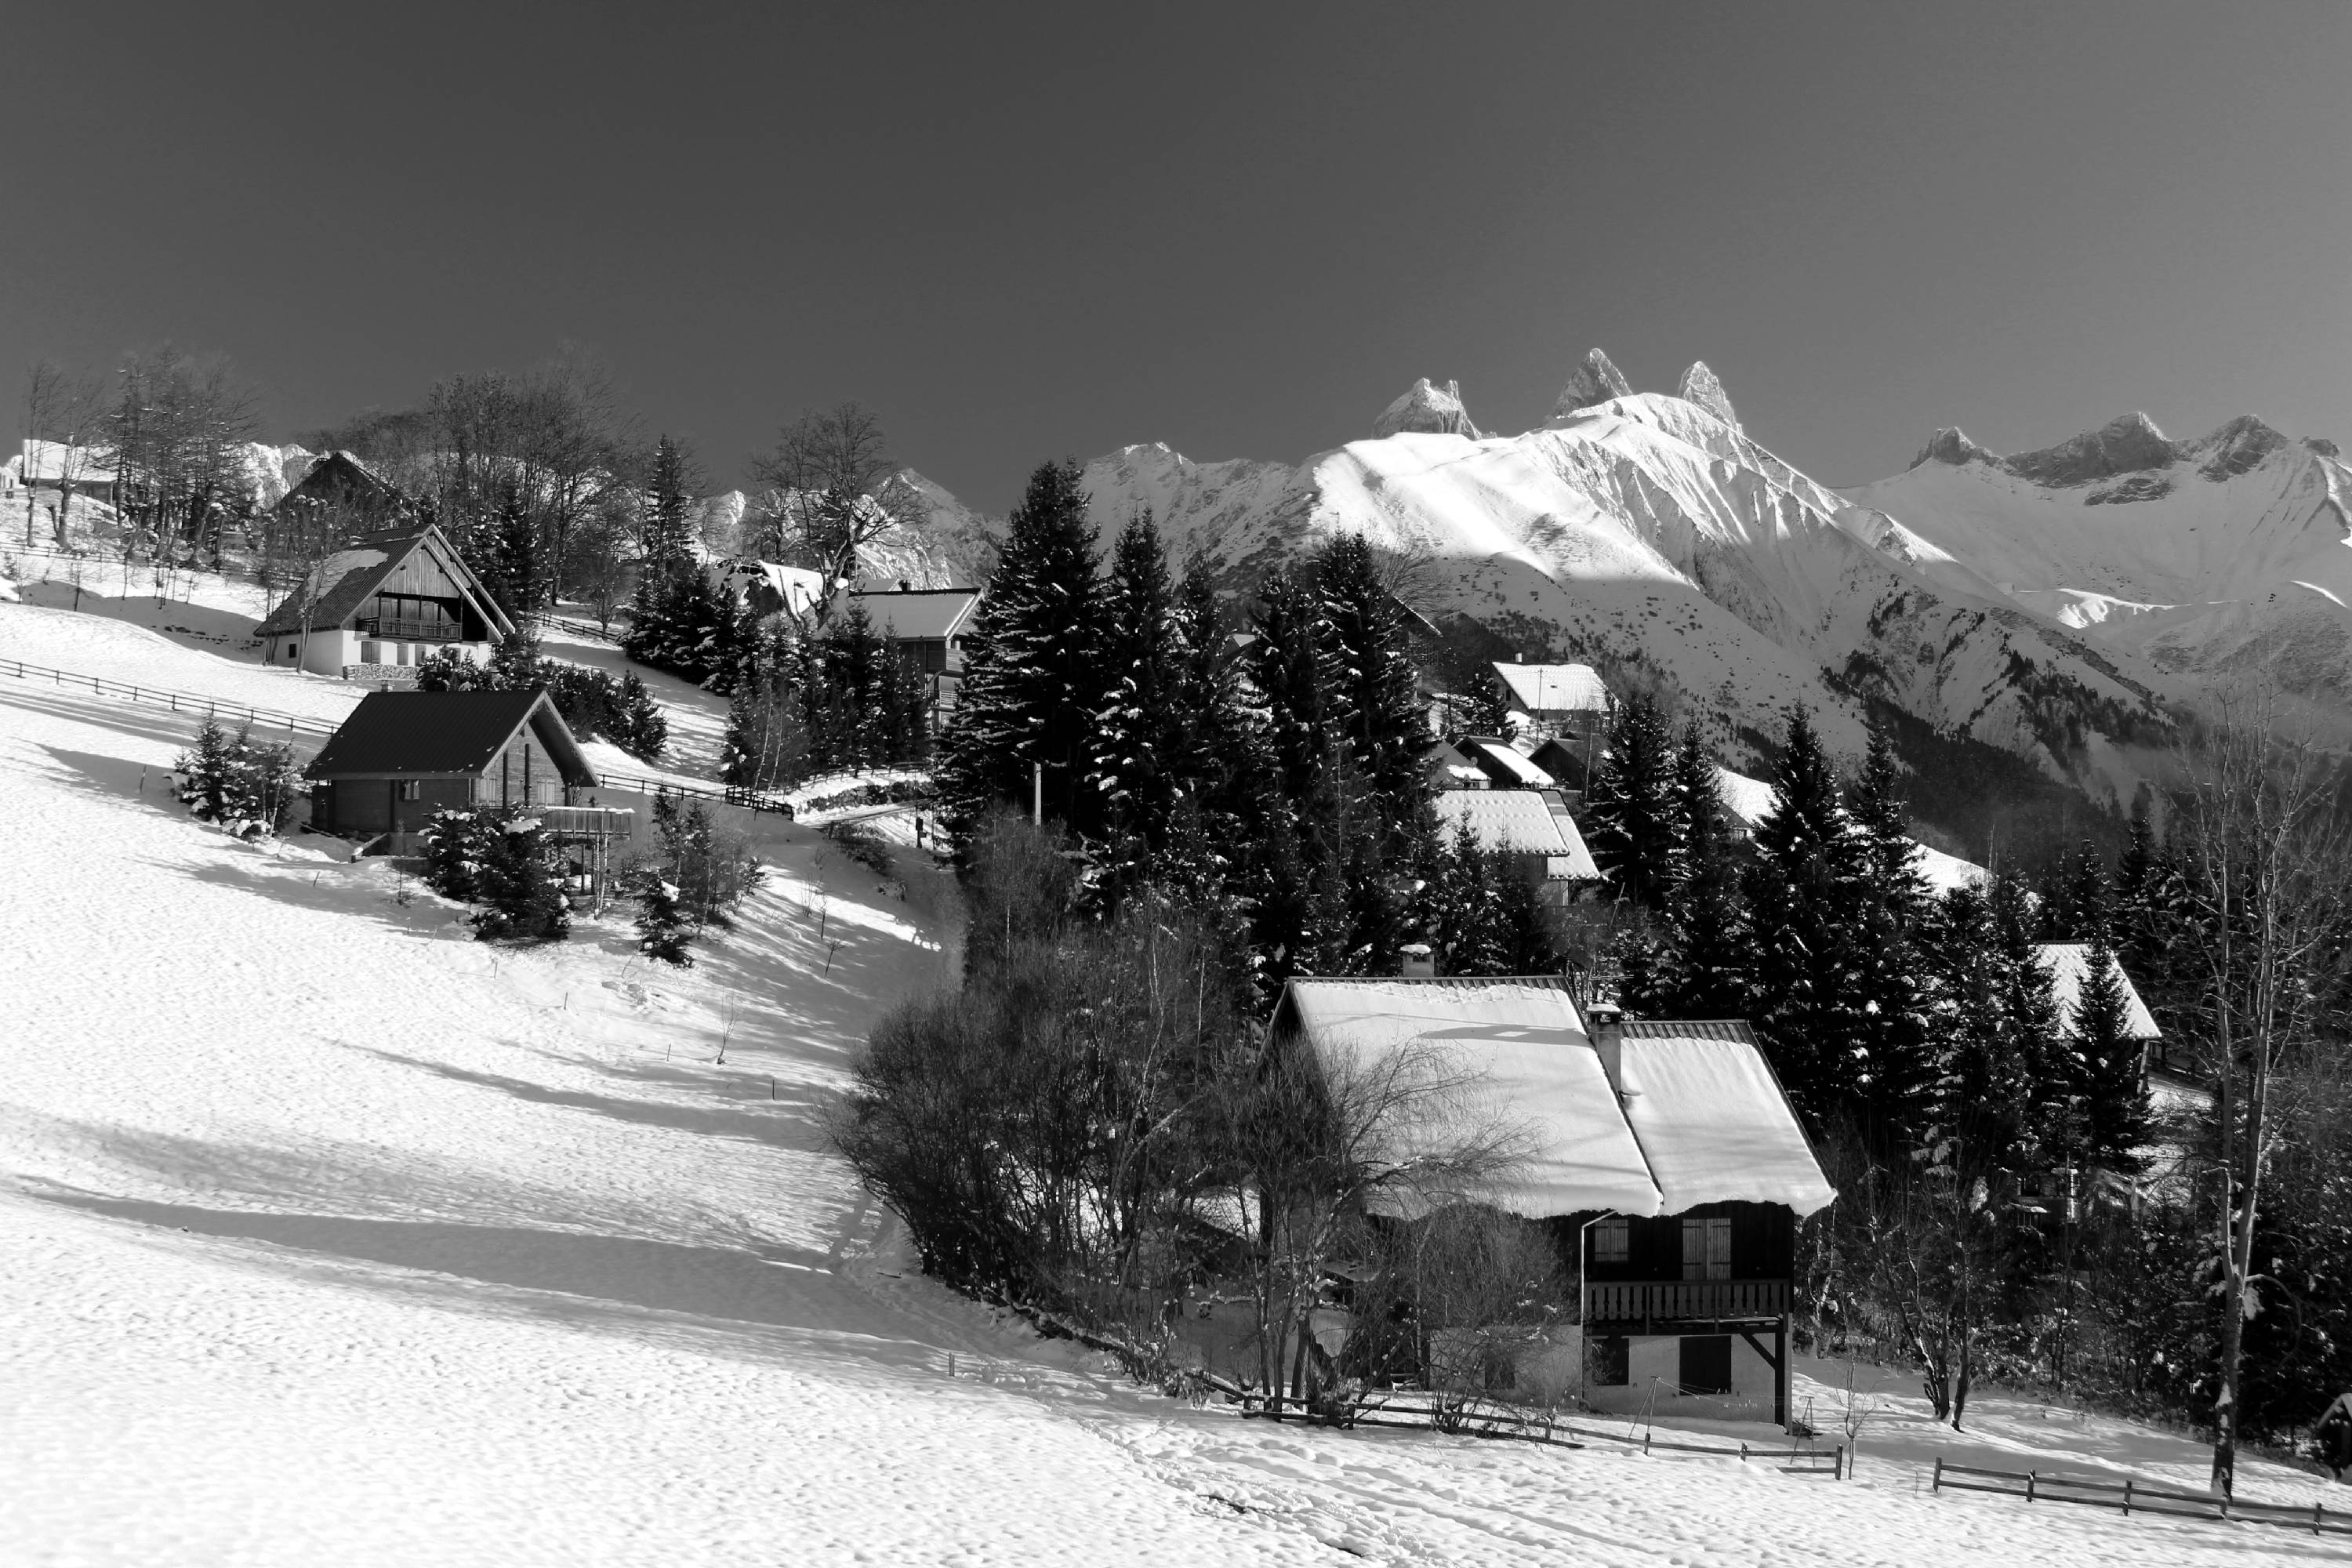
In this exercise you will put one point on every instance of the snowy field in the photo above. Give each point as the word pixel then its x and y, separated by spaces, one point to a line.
pixel 334 1238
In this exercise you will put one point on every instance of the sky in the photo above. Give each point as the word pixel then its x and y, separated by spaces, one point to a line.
pixel 1024 233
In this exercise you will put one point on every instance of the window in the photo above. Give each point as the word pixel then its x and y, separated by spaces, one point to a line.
pixel 1706 1249
pixel 1705 1364
pixel 412 789
pixel 1612 1240
pixel 289 650
pixel 1611 1363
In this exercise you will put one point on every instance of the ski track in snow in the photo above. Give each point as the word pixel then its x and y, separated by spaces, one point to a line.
pixel 336 1237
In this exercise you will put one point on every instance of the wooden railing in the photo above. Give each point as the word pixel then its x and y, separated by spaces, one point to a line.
pixel 611 821
pixel 1684 1300
pixel 294 724
pixel 414 631
pixel 2138 1497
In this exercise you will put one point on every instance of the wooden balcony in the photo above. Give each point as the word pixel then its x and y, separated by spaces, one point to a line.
pixel 410 631
pixel 584 821
pixel 1634 1306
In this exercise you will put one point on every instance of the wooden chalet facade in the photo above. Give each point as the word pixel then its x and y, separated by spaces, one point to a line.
pixel 1665 1162
pixel 373 609
pixel 402 755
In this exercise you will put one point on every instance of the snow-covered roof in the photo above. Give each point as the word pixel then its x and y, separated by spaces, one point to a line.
pixel 1505 759
pixel 1713 1121
pixel 1523 1042
pixel 1555 687
pixel 1945 872
pixel 2069 964
pixel 1708 1121
pixel 1519 822
pixel 47 462
pixel 1749 800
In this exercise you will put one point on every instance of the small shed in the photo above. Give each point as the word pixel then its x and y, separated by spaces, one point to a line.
pixel 402 755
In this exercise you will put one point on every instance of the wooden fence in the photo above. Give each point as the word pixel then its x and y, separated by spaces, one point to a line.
pixel 162 697
pixel 1423 1413
pixel 2138 1497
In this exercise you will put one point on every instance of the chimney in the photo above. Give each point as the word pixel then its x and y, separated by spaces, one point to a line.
pixel 1605 1022
pixel 1416 962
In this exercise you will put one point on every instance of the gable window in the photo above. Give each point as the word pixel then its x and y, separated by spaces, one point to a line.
pixel 1706 1249
pixel 1612 1240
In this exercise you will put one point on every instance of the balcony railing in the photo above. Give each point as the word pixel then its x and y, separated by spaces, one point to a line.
pixel 604 821
pixel 411 631
pixel 1684 1300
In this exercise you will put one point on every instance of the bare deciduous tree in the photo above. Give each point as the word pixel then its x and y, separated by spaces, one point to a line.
pixel 830 489
pixel 63 408
pixel 2262 845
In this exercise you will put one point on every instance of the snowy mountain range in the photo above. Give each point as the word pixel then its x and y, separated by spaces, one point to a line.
pixel 2051 604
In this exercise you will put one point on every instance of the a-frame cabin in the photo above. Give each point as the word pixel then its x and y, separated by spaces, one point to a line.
pixel 372 609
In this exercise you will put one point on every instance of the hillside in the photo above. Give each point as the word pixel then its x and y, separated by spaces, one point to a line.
pixel 340 1237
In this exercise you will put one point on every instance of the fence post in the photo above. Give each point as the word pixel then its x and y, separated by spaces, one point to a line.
pixel 2029 1486
pixel 1938 1485
pixel 2126 1494
pixel 2318 1512
pixel 1837 1471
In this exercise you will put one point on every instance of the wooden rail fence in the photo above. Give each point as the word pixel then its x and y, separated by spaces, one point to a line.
pixel 162 697
pixel 2136 1497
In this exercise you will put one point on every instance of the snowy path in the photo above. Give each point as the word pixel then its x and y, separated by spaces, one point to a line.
pixel 337 1239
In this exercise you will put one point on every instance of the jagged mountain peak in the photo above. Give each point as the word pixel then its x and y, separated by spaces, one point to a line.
pixel 1595 380
pixel 1951 444
pixel 1427 410
pixel 1702 386
pixel 2130 445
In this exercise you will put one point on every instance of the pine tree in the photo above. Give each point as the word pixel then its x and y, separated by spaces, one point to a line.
pixel 668 543
pixel 1890 1074
pixel 1801 890
pixel 514 667
pixel 522 900
pixel 1383 822
pixel 1026 709
pixel 1702 972
pixel 454 853
pixel 1465 908
pixel 2113 1093
pixel 1138 730
pixel 643 728
pixel 1287 797
pixel 662 928
pixel 1368 670
pixel 1630 805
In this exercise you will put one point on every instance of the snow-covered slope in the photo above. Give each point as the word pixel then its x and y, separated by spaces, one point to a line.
pixel 2207 558
pixel 1647 529
pixel 336 1237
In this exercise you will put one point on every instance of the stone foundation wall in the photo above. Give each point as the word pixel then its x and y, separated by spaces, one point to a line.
pixel 400 677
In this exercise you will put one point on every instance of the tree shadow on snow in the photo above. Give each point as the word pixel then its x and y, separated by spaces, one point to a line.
pixel 796 1123
pixel 646 1289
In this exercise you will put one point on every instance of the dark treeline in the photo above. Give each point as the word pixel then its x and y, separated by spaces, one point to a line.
pixel 2013 1206
pixel 1275 787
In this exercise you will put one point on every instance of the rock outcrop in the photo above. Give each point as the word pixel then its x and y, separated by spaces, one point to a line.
pixel 1595 380
pixel 1703 387
pixel 2131 448
pixel 1951 444
pixel 2130 445
pixel 1426 410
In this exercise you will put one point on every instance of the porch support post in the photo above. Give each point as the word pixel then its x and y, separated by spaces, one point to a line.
pixel 1780 1373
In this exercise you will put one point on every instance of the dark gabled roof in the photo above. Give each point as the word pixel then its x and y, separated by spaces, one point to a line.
pixel 415 734
pixel 918 613
pixel 346 578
